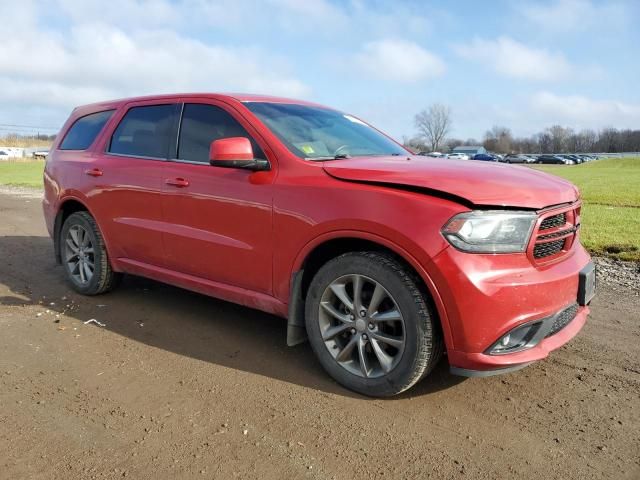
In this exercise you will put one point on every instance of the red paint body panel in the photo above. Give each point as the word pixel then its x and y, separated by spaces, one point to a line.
pixel 240 235
pixel 494 184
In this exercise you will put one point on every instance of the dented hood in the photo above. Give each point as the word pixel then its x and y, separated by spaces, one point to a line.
pixel 481 183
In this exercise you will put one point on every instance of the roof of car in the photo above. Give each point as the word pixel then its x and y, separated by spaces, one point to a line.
pixel 240 97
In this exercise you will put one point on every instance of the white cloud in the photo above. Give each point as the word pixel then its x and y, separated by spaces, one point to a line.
pixel 583 112
pixel 96 61
pixel 399 60
pixel 147 13
pixel 514 59
pixel 575 15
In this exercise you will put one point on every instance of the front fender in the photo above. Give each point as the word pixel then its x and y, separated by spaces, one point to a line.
pixel 296 302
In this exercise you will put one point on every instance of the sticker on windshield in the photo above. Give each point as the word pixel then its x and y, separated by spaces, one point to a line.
pixel 308 149
pixel 354 120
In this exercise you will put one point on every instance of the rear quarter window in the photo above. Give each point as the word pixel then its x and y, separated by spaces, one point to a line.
pixel 85 130
pixel 145 131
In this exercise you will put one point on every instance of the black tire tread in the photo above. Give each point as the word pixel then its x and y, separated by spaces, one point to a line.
pixel 431 346
pixel 108 279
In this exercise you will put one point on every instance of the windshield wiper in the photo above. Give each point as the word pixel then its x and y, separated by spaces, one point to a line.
pixel 335 157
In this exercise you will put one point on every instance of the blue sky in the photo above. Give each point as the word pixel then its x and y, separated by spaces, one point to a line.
pixel 522 64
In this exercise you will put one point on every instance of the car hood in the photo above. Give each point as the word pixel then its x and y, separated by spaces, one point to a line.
pixel 480 183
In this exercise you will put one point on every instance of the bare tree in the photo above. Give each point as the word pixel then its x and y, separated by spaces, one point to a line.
pixel 433 124
pixel 545 143
pixel 498 139
pixel 558 136
pixel 415 144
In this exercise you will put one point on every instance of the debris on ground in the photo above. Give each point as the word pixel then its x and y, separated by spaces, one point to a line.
pixel 93 320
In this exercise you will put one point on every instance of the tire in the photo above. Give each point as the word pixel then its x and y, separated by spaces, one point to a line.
pixel 412 358
pixel 76 251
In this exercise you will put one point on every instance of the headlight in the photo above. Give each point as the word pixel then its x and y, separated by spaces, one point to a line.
pixel 490 231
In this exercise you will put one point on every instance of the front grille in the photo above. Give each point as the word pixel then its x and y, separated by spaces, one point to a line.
pixel 561 233
pixel 563 319
pixel 554 221
pixel 555 234
pixel 547 249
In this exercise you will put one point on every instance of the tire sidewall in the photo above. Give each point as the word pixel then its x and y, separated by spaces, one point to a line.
pixel 413 313
pixel 94 285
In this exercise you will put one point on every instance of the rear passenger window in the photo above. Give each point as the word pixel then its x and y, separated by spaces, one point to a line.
pixel 145 132
pixel 202 124
pixel 85 130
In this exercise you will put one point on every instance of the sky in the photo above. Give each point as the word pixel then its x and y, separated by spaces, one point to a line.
pixel 523 64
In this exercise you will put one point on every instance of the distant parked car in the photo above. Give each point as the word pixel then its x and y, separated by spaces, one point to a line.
pixel 3 155
pixel 432 154
pixel 484 156
pixel 518 159
pixel 574 158
pixel 40 154
pixel 554 160
pixel 459 156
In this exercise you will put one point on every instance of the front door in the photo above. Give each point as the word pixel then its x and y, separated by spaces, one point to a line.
pixel 218 220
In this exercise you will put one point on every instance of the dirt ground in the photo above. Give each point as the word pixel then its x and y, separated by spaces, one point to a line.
pixel 178 385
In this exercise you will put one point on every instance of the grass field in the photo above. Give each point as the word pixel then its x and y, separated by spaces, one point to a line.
pixel 610 191
pixel 22 173
pixel 25 142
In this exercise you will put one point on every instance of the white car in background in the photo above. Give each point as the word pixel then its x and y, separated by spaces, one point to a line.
pixel 4 155
pixel 459 156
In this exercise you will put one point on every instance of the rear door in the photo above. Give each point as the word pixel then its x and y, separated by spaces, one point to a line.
pixel 127 176
pixel 218 219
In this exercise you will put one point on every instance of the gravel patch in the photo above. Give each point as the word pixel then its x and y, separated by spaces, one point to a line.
pixel 23 192
pixel 618 274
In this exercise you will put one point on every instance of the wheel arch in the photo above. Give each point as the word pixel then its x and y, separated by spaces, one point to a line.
pixel 317 252
pixel 68 206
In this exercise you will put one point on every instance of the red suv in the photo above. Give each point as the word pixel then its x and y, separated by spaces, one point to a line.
pixel 382 259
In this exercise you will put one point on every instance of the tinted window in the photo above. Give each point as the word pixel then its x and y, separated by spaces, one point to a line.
pixel 145 132
pixel 85 130
pixel 201 125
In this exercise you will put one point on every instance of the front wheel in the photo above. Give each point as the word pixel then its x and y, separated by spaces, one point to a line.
pixel 370 325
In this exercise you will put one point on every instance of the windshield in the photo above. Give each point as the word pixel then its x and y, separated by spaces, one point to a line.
pixel 315 133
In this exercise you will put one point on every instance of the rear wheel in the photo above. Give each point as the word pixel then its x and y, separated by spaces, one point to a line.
pixel 84 256
pixel 369 324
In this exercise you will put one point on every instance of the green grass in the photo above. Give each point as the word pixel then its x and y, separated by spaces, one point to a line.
pixel 613 181
pixel 610 191
pixel 21 173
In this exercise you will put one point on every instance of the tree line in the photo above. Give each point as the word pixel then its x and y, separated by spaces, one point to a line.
pixel 434 124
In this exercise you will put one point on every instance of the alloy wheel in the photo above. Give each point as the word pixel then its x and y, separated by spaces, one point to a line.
pixel 79 254
pixel 362 326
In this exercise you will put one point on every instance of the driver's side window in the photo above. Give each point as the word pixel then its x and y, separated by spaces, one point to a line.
pixel 202 124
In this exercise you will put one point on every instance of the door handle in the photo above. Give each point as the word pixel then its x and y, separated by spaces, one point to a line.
pixel 94 172
pixel 177 182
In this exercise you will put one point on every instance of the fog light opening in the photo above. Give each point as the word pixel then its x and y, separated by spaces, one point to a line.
pixel 520 338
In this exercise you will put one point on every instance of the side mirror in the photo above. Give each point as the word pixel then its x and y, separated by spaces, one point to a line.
pixel 235 152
